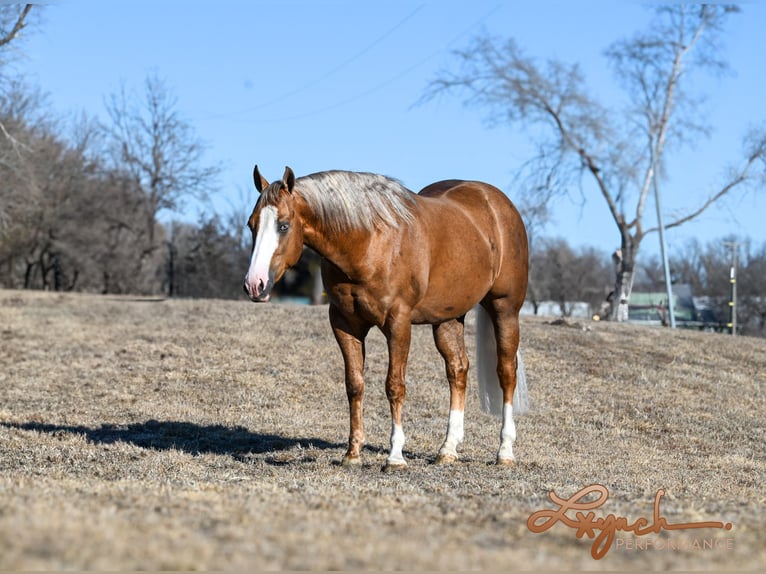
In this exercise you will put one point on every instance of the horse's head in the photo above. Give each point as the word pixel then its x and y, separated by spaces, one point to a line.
pixel 277 234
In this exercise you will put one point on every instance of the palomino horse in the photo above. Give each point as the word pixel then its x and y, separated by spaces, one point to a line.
pixel 391 259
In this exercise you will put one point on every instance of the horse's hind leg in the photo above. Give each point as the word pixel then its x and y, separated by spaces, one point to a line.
pixel 505 317
pixel 450 341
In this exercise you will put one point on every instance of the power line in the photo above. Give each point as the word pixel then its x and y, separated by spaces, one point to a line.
pixel 388 81
pixel 325 75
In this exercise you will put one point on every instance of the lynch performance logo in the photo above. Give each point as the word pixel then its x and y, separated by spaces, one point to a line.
pixel 577 514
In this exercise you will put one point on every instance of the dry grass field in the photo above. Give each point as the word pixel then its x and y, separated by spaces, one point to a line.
pixel 190 435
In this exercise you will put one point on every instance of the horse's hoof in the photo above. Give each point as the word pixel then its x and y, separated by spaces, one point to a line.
pixel 446 459
pixel 506 461
pixel 351 462
pixel 395 467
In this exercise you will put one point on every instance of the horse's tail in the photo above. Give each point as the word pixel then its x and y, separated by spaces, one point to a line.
pixel 490 393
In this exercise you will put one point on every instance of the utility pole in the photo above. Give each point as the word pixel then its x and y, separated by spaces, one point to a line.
pixel 732 324
pixel 665 265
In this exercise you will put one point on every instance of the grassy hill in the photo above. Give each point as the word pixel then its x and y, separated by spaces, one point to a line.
pixel 150 434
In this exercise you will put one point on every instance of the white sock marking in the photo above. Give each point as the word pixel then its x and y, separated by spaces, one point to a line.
pixel 455 434
pixel 507 434
pixel 397 443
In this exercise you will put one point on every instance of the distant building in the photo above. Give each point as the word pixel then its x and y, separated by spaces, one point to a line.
pixel 578 309
pixel 690 312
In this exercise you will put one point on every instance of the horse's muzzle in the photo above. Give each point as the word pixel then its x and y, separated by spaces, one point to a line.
pixel 259 291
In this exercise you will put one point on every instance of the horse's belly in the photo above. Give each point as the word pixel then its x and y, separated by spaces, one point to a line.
pixel 431 312
pixel 454 290
pixel 459 278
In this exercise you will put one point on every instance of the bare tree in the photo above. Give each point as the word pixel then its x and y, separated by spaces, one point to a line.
pixel 206 260
pixel 751 298
pixel 159 150
pixel 72 223
pixel 565 275
pixel 13 20
pixel 621 152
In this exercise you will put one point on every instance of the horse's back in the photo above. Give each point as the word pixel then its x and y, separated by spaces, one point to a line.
pixel 440 187
pixel 477 200
pixel 475 226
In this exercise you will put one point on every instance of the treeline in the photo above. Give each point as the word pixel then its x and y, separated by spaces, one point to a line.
pixel 79 204
pixel 87 205
pixel 564 275
pixel 76 213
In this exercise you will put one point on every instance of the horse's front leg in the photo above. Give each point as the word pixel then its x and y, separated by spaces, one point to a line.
pixel 397 330
pixel 350 336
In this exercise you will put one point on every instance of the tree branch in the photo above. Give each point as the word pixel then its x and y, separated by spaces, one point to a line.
pixel 596 172
pixel 657 146
pixel 741 178
pixel 17 27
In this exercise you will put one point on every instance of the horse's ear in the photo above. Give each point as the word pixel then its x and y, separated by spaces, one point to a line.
pixel 289 179
pixel 259 180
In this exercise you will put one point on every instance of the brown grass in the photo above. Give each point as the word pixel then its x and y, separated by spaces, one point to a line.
pixel 141 434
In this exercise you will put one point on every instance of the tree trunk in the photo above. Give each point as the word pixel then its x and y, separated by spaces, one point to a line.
pixel 58 284
pixel 624 263
pixel 28 274
pixel 44 270
pixel 171 267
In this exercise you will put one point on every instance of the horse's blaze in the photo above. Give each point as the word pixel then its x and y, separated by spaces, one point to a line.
pixel 258 278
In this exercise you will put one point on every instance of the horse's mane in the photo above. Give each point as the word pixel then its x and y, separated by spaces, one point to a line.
pixel 347 200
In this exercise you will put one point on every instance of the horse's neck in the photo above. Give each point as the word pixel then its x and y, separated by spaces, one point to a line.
pixel 340 248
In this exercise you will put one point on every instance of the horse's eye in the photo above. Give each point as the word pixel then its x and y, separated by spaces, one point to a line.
pixel 283 227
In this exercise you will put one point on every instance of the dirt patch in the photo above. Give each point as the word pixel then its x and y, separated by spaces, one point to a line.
pixel 149 434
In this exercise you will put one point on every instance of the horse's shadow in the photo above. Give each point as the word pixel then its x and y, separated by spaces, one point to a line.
pixel 192 438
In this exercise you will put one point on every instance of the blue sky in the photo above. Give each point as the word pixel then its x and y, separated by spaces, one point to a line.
pixel 332 85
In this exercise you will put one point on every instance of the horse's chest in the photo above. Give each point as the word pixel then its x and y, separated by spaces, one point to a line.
pixel 357 301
